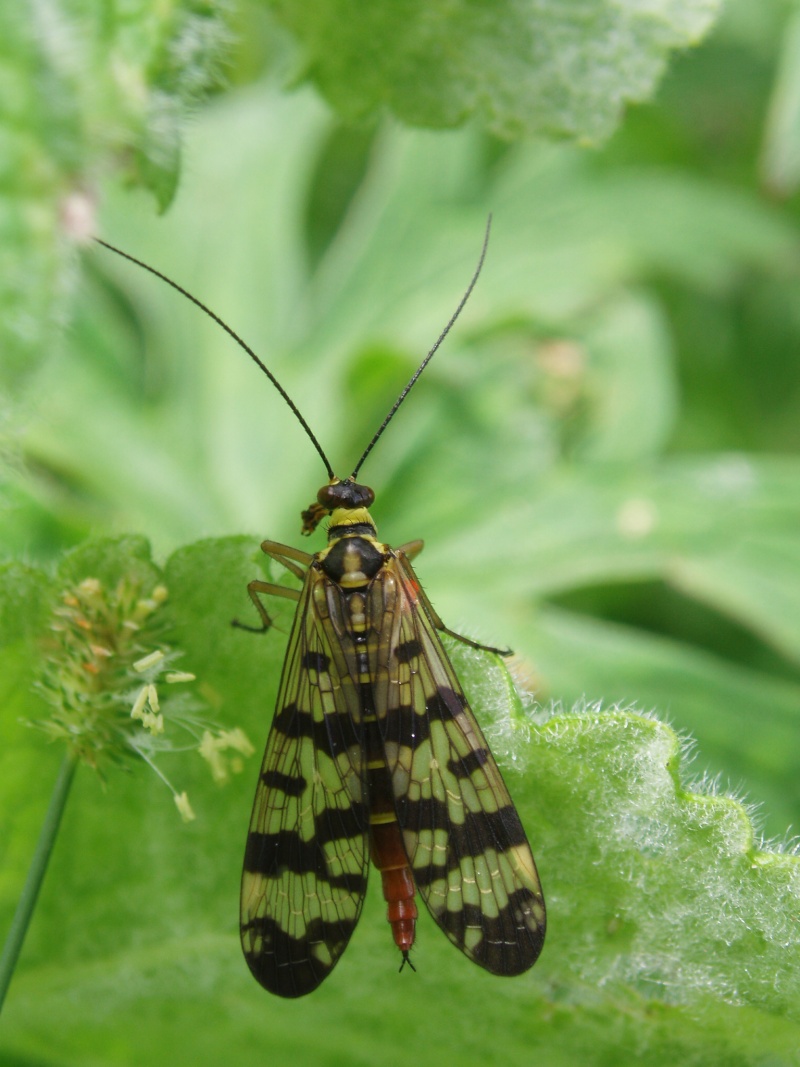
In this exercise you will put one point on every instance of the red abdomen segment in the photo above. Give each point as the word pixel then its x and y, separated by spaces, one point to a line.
pixel 386 846
pixel 387 853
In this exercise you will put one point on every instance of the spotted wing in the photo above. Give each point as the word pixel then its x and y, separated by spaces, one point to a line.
pixel 307 856
pixel 464 840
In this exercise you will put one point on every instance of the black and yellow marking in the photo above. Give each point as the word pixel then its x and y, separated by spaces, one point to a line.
pixel 385 735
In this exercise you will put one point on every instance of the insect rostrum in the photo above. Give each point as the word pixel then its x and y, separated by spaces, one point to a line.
pixel 375 755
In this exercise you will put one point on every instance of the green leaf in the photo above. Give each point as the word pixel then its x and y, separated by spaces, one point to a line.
pixel 517 67
pixel 83 88
pixel 780 154
pixel 721 530
pixel 744 721
pixel 25 603
pixel 664 915
pixel 718 532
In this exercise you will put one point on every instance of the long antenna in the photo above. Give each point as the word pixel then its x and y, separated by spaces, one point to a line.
pixel 242 344
pixel 431 354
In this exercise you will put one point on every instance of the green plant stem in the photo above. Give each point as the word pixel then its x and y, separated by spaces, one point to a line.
pixel 36 873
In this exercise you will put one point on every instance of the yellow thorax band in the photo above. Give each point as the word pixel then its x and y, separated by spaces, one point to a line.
pixel 350 517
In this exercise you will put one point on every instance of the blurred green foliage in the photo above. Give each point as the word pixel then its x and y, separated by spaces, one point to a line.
pixel 602 460
pixel 519 68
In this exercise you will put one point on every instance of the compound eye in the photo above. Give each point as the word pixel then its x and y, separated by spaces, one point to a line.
pixel 362 496
pixel 349 495
pixel 329 496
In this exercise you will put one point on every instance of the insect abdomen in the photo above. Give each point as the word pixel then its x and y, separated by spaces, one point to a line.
pixel 352 562
pixel 386 845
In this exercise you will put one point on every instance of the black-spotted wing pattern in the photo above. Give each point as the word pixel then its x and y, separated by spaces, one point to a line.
pixel 307 856
pixel 466 846
pixel 374 751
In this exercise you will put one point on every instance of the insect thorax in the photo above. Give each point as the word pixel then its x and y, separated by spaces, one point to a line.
pixel 354 555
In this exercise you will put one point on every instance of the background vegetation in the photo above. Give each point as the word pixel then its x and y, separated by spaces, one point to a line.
pixel 602 460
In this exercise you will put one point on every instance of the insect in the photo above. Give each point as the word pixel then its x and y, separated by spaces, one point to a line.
pixel 374 755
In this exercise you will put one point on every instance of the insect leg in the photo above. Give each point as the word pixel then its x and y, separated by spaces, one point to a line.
pixel 437 622
pixel 288 557
pixel 266 589
pixel 411 549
